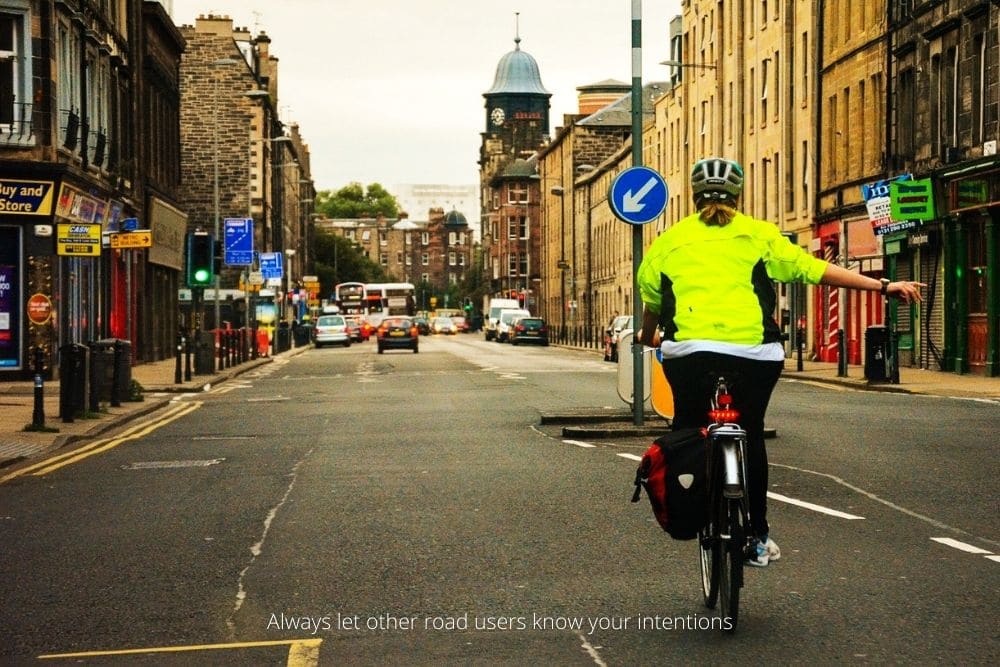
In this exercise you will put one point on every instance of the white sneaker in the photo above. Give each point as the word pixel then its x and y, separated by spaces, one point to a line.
pixel 773 552
pixel 757 555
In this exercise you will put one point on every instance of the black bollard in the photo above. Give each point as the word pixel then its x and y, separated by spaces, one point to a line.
pixel 177 358
pixel 116 377
pixel 800 344
pixel 96 377
pixel 187 358
pixel 38 413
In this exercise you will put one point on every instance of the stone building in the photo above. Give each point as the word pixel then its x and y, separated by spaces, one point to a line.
pixel 239 160
pixel 89 112
pixel 943 125
pixel 516 125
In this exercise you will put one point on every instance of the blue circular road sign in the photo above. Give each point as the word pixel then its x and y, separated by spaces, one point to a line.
pixel 638 195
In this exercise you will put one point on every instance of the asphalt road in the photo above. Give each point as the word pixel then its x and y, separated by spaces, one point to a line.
pixel 345 507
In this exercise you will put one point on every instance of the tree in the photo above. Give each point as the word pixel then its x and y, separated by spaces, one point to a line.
pixel 354 201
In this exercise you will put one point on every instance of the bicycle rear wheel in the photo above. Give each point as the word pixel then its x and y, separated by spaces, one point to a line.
pixel 731 565
pixel 709 551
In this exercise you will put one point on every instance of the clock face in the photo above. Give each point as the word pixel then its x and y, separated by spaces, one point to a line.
pixel 497 116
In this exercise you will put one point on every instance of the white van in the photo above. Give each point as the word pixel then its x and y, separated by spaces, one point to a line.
pixel 507 318
pixel 493 316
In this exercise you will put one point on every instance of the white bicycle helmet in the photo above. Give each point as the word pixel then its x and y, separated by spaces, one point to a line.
pixel 716 179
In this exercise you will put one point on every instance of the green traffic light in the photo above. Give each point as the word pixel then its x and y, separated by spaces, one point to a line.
pixel 201 275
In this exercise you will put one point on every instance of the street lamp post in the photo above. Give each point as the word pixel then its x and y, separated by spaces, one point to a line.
pixel 221 62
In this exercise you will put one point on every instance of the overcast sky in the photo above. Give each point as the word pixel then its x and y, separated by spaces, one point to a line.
pixel 391 91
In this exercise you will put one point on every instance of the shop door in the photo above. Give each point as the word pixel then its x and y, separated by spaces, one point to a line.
pixel 977 324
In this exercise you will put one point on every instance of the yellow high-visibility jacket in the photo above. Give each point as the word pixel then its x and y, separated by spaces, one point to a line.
pixel 716 283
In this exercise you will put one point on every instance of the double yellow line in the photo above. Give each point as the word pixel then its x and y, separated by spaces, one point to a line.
pixel 100 445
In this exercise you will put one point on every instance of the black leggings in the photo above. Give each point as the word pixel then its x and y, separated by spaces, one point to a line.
pixel 692 381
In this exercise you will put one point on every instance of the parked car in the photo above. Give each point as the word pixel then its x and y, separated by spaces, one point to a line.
pixel 529 330
pixel 461 323
pixel 614 329
pixel 397 333
pixel 505 320
pixel 444 325
pixel 332 329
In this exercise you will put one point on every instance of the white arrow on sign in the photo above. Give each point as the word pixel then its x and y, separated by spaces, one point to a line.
pixel 631 203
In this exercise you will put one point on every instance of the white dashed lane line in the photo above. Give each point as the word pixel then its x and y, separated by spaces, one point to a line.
pixel 578 443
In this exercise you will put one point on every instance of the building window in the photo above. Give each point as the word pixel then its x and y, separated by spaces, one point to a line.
pixel 408 238
pixel 978 88
pixel 517 193
pixel 399 257
pixel 366 236
pixel 512 266
pixel 383 258
pixel 425 259
pixel 15 78
pixel 409 260
pixel 425 277
pixel 523 227
pixel 451 238
pixel 523 265
pixel 383 237
pixel 451 259
pixel 425 238
pixel 68 90
pixel 461 260
pixel 512 226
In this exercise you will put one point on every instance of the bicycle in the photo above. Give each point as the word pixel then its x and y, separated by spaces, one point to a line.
pixel 724 540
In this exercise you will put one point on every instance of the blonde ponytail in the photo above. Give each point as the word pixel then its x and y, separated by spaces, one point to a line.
pixel 717 213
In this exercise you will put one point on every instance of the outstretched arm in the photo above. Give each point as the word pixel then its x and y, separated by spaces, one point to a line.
pixel 837 276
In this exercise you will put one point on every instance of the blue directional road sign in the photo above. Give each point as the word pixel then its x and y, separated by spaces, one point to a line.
pixel 238 241
pixel 638 195
pixel 270 265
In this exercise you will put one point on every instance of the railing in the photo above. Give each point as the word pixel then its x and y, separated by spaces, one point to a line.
pixel 16 126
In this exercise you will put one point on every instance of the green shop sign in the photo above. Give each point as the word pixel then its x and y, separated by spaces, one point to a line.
pixel 911 200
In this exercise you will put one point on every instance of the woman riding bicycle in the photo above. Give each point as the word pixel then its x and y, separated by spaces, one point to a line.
pixel 707 282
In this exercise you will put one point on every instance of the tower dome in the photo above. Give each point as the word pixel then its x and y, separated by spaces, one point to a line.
pixel 517 72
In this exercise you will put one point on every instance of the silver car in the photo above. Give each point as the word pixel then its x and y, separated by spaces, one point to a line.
pixel 332 329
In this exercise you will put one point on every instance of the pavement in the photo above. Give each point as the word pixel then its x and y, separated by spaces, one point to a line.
pixel 157 380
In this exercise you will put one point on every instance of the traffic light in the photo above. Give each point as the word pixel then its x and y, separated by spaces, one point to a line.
pixel 200 259
pixel 468 305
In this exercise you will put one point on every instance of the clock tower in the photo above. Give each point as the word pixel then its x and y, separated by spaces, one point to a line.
pixel 517 105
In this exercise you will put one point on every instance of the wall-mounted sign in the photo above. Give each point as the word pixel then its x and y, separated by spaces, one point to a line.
pixel 912 200
pixel 39 309
pixel 78 240
pixel 75 204
pixel 26 197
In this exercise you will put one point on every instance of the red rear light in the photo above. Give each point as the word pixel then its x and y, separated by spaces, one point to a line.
pixel 413 331
pixel 725 400
pixel 520 327
pixel 724 416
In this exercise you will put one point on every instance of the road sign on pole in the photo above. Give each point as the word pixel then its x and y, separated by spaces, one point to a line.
pixel 271 265
pixel 638 195
pixel 238 241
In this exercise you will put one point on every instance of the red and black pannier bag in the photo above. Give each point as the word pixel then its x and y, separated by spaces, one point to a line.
pixel 672 472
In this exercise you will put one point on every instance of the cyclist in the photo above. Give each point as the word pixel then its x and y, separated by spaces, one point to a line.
pixel 706 281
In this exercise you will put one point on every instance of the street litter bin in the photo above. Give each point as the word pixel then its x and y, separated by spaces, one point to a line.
pixel 302 334
pixel 283 340
pixel 204 353
pixel 877 353
pixel 101 368
pixel 72 381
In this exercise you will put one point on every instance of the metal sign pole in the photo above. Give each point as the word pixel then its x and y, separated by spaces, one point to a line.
pixel 638 396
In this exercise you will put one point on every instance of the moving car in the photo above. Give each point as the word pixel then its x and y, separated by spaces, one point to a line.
pixel 529 330
pixel 505 320
pixel 397 333
pixel 332 329
pixel 355 325
pixel 444 325
pixel 613 331
pixel 493 316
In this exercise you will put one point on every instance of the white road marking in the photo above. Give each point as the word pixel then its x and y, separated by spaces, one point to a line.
pixel 961 546
pixel 269 399
pixel 631 457
pixel 995 559
pixel 591 651
pixel 578 443
pixel 812 506
pixel 868 494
